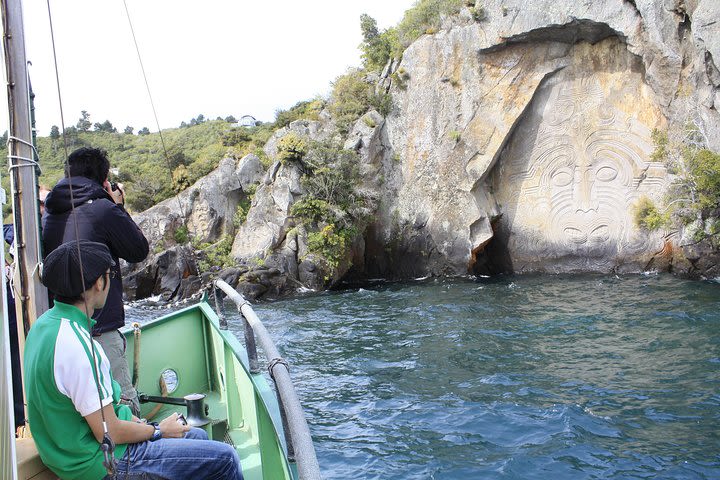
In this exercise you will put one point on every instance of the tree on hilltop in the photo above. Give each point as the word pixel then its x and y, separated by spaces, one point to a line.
pixel 84 122
pixel 106 126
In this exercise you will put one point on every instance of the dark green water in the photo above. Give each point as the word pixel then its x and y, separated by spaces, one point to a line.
pixel 514 378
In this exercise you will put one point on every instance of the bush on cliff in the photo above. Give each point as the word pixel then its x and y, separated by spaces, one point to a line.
pixel 695 193
pixel 305 110
pixel 215 256
pixel 351 97
pixel 334 209
pixel 648 216
pixel 423 18
pixel 377 47
pixel 331 244
pixel 291 147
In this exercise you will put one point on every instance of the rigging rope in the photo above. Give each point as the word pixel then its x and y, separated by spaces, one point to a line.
pixel 107 445
pixel 155 115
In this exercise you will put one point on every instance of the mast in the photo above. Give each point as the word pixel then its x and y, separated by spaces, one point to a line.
pixel 31 295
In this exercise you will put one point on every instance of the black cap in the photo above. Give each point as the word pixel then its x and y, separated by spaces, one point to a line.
pixel 61 269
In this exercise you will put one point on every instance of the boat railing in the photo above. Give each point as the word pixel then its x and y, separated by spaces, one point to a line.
pixel 297 434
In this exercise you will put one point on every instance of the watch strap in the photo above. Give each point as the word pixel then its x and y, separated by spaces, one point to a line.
pixel 157 434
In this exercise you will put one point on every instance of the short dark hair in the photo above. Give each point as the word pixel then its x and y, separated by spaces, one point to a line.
pixel 69 300
pixel 73 299
pixel 88 162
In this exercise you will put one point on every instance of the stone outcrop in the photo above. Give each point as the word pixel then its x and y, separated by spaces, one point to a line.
pixel 271 242
pixel 206 210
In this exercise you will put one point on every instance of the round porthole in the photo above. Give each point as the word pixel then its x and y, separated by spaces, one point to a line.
pixel 171 379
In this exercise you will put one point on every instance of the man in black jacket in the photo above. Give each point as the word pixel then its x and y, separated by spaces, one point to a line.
pixel 99 216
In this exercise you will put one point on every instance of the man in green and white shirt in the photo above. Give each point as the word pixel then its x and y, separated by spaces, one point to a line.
pixel 72 399
pixel 58 365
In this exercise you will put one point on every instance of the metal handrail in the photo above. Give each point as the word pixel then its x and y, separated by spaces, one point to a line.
pixel 300 440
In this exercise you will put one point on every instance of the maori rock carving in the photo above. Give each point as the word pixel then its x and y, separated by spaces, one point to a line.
pixel 588 165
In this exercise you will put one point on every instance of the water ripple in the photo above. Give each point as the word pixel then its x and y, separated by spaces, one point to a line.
pixel 532 377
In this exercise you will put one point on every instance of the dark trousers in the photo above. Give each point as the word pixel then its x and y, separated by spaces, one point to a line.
pixel 15 361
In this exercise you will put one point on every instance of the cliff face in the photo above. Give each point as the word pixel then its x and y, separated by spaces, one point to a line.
pixel 518 143
pixel 525 140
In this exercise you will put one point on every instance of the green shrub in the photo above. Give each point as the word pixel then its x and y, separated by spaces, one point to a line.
pixel 181 234
pixel 423 17
pixel 305 110
pixel 705 171
pixel 382 103
pixel 377 47
pixel 216 256
pixel 660 142
pixel 291 147
pixel 697 170
pixel 350 98
pixel 330 243
pixel 244 206
pixel 647 215
pixel 333 176
pixel 236 136
pixel 180 179
pixel 311 210
pixel 478 14
pixel 455 135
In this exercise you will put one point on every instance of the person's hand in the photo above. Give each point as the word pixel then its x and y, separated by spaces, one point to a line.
pixel 117 195
pixel 171 428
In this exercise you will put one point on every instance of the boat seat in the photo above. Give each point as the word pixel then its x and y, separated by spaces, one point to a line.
pixel 30 467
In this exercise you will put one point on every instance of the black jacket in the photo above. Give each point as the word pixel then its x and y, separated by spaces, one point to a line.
pixel 99 219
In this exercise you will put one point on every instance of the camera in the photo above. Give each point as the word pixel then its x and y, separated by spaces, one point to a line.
pixel 114 186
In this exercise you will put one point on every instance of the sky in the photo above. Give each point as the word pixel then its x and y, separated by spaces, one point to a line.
pixel 216 57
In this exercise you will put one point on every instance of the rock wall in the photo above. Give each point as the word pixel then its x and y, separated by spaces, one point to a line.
pixel 523 141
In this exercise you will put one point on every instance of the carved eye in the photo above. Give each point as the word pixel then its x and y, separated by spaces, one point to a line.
pixel 575 235
pixel 562 177
pixel 600 234
pixel 606 174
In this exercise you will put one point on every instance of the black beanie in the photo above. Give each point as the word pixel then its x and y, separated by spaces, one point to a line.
pixel 61 269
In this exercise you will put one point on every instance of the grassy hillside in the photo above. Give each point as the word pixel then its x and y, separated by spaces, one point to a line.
pixel 148 174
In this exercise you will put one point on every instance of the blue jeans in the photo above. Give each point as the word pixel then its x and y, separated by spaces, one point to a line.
pixel 191 458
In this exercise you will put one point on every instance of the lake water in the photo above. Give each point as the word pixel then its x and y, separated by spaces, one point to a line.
pixel 527 377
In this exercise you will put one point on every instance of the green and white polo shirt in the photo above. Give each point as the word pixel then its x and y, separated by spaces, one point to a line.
pixel 60 391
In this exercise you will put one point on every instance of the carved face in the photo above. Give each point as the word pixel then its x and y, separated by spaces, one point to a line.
pixel 586 164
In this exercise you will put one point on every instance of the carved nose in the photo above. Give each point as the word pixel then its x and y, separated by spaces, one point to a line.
pixel 584 194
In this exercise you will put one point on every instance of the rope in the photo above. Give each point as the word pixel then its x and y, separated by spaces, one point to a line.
pixel 31 161
pixel 275 362
pixel 136 355
pixel 108 446
pixel 155 115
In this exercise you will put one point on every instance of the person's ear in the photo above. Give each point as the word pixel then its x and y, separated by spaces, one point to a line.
pixel 100 283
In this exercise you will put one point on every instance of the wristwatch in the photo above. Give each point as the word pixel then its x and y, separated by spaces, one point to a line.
pixel 157 434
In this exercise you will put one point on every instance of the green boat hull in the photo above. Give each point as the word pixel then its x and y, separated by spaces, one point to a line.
pixel 205 359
